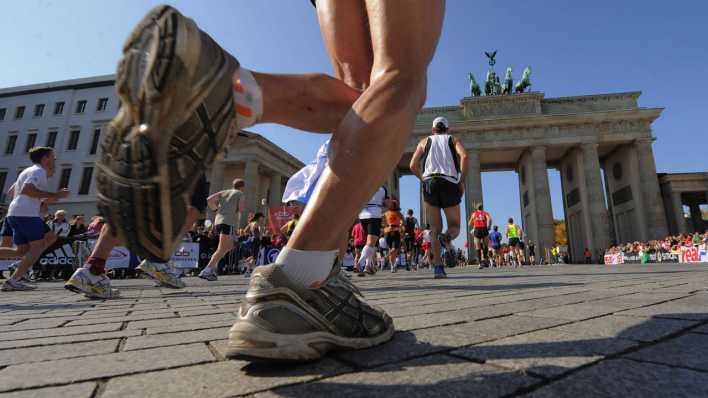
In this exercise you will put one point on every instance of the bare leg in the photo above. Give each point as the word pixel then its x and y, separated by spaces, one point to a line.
pixel 225 245
pixel 380 119
pixel 435 222
pixel 105 243
pixel 452 215
pixel 33 250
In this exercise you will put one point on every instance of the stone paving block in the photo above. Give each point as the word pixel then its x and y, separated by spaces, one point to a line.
pixel 639 329
pixel 628 379
pixel 702 329
pixel 76 338
pixel 220 379
pixel 574 312
pixel 79 390
pixel 31 334
pixel 191 326
pixel 436 375
pixel 93 321
pixel 170 322
pixel 688 308
pixel 406 345
pixel 57 351
pixel 547 353
pixel 80 369
pixel 689 350
pixel 167 339
pixel 29 324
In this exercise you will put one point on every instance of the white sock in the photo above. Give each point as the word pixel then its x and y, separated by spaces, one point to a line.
pixel 248 98
pixel 308 268
pixel 367 255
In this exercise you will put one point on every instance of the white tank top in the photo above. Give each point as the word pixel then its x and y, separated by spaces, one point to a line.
pixel 440 159
pixel 373 208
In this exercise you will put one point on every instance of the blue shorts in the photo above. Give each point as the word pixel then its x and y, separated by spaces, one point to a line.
pixel 26 229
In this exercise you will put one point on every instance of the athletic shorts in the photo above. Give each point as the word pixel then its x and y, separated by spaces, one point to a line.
pixel 441 193
pixel 26 229
pixel 532 251
pixel 360 247
pixel 481 233
pixel 514 242
pixel 426 246
pixel 393 239
pixel 6 229
pixel 408 241
pixel 223 229
pixel 372 226
pixel 496 247
pixel 199 196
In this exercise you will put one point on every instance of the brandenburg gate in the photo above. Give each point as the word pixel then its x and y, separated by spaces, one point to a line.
pixel 587 138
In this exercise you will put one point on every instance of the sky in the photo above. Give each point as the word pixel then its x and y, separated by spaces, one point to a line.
pixel 573 48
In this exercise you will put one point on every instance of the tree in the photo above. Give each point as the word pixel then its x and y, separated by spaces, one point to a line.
pixel 560 232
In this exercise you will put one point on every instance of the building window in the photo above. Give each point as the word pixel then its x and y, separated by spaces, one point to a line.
pixel 86 181
pixel 617 171
pixel 59 108
pixel 38 110
pixel 64 179
pixel 10 147
pixel 81 106
pixel 31 140
pixel 2 113
pixel 52 139
pixel 19 112
pixel 3 179
pixel 102 104
pixel 73 140
pixel 94 141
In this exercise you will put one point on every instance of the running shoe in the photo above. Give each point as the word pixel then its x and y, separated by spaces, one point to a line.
pixel 164 273
pixel 208 274
pixel 13 285
pixel 280 321
pixel 175 87
pixel 439 272
pixel 93 286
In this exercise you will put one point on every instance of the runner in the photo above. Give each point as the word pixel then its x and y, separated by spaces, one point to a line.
pixel 181 92
pixel 393 223
pixel 445 164
pixel 91 279
pixel 495 244
pixel 480 223
pixel 228 205
pixel 370 217
pixel 410 223
pixel 426 245
pixel 532 253
pixel 358 241
pixel 513 233
pixel 23 214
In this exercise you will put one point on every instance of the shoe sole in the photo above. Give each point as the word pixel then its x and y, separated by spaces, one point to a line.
pixel 143 190
pixel 74 288
pixel 249 341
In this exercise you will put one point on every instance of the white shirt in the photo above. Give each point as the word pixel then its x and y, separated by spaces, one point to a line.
pixel 382 243
pixel 441 159
pixel 426 236
pixel 373 208
pixel 60 228
pixel 348 260
pixel 23 205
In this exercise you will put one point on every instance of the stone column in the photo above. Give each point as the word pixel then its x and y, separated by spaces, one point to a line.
pixel 473 195
pixel 216 178
pixel 641 232
pixel 677 206
pixel 651 194
pixel 542 200
pixel 599 221
pixel 276 196
pixel 251 190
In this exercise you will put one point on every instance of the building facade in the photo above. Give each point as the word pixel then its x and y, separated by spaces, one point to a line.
pixel 71 117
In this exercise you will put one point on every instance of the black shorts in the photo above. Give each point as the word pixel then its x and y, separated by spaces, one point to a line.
pixel 514 242
pixel 481 233
pixel 409 242
pixel 199 196
pixel 223 229
pixel 441 193
pixel 372 226
pixel 393 239
pixel 6 229
pixel 532 250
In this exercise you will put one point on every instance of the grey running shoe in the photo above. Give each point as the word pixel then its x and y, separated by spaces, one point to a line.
pixel 92 286
pixel 208 274
pixel 279 321
pixel 175 87
pixel 12 285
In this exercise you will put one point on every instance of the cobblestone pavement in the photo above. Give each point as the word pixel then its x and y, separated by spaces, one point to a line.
pixel 631 330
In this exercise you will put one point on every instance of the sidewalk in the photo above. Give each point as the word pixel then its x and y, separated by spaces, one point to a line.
pixel 626 331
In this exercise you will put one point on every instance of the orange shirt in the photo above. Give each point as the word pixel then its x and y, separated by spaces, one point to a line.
pixel 393 220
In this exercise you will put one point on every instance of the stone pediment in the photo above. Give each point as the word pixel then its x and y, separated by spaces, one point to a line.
pixel 501 106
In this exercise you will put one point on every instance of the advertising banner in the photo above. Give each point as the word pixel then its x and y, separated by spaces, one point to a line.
pixel 279 216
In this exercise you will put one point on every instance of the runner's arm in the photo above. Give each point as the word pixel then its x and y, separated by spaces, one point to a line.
pixel 30 190
pixel 489 221
pixel 415 160
pixel 213 200
pixel 462 154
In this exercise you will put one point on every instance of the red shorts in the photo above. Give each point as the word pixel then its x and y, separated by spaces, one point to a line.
pixel 426 245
